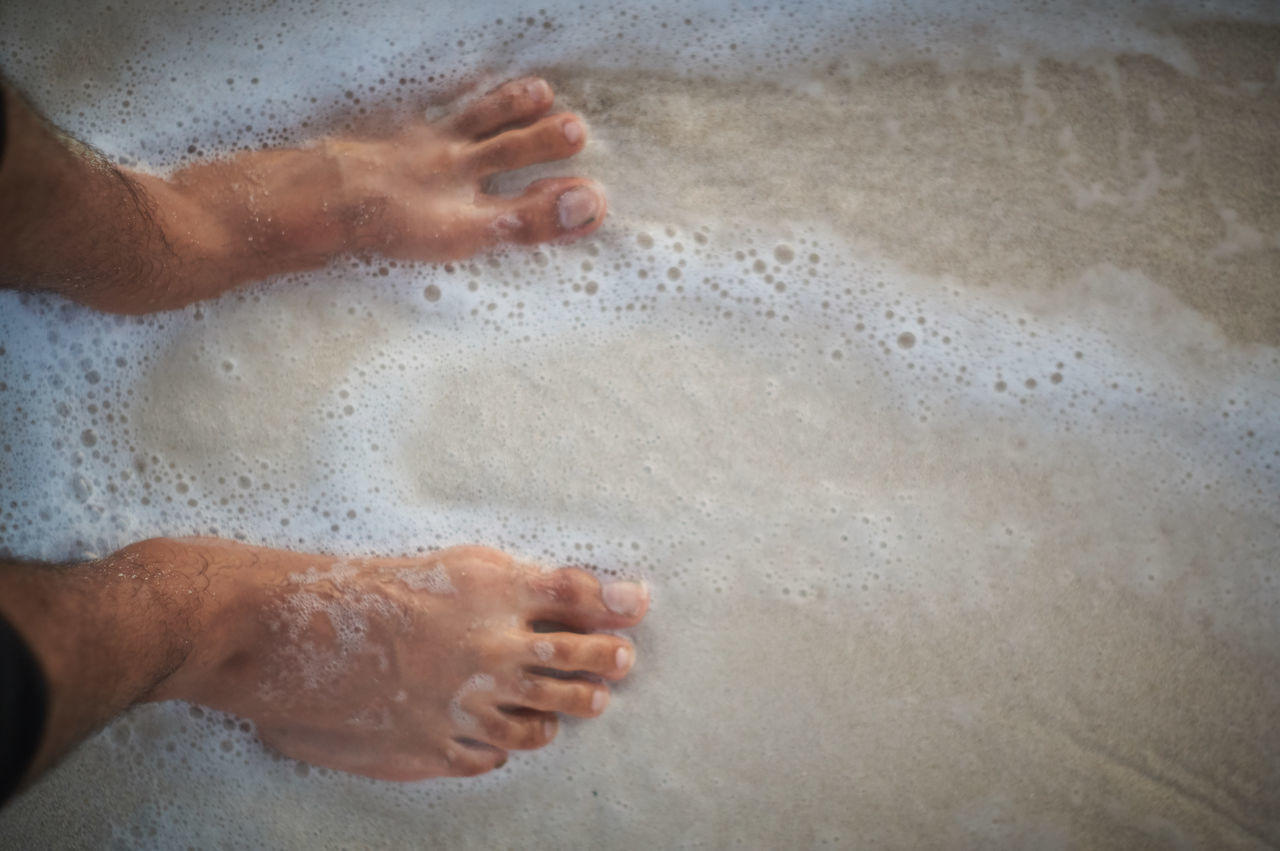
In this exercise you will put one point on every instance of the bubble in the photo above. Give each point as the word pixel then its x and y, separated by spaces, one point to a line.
pixel 701 430
pixel 81 488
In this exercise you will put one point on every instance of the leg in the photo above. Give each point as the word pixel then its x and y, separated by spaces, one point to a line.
pixel 129 242
pixel 393 668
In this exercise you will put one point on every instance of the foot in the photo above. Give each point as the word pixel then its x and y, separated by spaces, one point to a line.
pixel 417 194
pixel 421 193
pixel 402 669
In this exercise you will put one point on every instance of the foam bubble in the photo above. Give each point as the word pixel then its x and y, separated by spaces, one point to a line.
pixel 434 580
pixel 925 369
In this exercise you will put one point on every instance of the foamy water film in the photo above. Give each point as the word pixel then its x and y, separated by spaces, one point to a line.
pixel 925 367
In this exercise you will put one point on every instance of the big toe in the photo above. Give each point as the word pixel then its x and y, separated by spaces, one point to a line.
pixel 553 209
pixel 576 599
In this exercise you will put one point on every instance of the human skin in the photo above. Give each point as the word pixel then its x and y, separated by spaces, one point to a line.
pixel 392 668
pixel 398 669
pixel 129 242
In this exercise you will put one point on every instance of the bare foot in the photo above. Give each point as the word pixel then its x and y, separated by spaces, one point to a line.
pixel 401 668
pixel 417 194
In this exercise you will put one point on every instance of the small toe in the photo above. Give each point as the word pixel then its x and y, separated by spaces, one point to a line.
pixel 606 656
pixel 575 598
pixel 467 758
pixel 513 102
pixel 546 140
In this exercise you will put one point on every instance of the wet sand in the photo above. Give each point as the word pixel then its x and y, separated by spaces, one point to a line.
pixel 936 401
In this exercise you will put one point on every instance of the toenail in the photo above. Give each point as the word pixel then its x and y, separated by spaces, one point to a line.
pixel 624 598
pixel 538 91
pixel 573 131
pixel 599 700
pixel 622 659
pixel 578 208
pixel 548 728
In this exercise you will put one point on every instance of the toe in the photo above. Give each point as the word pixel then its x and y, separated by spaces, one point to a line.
pixel 572 697
pixel 514 102
pixel 576 599
pixel 523 731
pixel 606 656
pixel 549 210
pixel 552 138
pixel 467 758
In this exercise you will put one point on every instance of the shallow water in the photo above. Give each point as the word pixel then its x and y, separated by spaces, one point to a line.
pixel 926 368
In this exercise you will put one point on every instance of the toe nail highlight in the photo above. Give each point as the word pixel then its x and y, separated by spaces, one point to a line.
pixel 578 207
pixel 538 91
pixel 599 700
pixel 573 131
pixel 622 660
pixel 624 598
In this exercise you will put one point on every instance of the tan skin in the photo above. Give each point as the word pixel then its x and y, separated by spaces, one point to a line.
pixel 393 668
pixel 129 242
pixel 252 631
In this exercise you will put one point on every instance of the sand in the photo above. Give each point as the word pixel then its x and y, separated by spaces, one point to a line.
pixel 926 368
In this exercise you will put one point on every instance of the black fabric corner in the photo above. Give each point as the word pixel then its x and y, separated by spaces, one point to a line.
pixel 2 133
pixel 23 703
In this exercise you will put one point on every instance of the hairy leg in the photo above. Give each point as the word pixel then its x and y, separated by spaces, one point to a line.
pixel 130 242
pixel 393 668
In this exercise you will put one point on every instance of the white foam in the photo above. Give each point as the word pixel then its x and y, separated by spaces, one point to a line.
pixel 458 712
pixel 434 580
pixel 965 525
